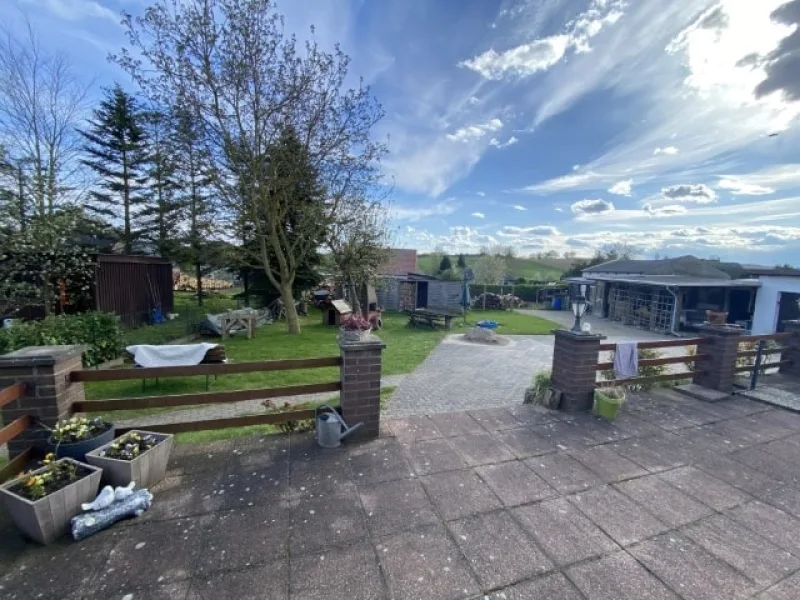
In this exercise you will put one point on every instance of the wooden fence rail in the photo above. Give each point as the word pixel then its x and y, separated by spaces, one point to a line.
pixel 13 429
pixel 659 344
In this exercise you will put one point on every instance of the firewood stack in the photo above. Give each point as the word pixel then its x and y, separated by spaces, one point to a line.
pixel 496 301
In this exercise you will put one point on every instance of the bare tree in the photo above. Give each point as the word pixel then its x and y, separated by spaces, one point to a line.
pixel 41 101
pixel 251 84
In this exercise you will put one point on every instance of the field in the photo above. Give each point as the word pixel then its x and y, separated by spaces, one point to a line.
pixel 529 268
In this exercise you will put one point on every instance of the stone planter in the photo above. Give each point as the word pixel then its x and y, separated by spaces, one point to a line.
pixel 47 519
pixel 350 336
pixel 78 450
pixel 147 469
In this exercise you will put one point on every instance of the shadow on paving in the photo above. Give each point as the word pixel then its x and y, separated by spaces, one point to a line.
pixel 677 498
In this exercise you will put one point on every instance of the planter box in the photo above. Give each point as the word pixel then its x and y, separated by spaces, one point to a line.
pixel 147 469
pixel 350 336
pixel 78 450
pixel 47 519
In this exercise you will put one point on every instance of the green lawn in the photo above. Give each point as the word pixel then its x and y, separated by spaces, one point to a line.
pixel 406 348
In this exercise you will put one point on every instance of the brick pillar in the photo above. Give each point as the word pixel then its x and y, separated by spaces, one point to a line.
pixel 717 371
pixel 574 374
pixel 361 386
pixel 50 393
pixel 793 351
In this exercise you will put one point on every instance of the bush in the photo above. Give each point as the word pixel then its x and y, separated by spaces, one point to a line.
pixel 101 334
pixel 541 384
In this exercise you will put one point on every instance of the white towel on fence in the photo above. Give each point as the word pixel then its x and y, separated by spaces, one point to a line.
pixel 626 360
pixel 169 355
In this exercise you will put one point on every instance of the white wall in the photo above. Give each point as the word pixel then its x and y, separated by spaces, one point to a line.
pixel 768 296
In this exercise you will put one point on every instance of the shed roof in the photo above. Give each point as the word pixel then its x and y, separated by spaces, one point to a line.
pixel 689 266
pixel 676 281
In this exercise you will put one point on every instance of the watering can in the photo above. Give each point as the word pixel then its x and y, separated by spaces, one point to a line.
pixel 331 428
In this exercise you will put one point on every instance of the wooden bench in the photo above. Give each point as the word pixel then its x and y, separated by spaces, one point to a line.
pixel 430 318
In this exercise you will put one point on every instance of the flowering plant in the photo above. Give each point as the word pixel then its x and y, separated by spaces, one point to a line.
pixel 77 429
pixel 130 446
pixel 356 322
pixel 54 476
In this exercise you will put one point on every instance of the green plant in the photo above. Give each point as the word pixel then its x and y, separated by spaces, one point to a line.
pixel 54 476
pixel 130 446
pixel 541 384
pixel 77 429
pixel 100 333
pixel 288 426
pixel 644 370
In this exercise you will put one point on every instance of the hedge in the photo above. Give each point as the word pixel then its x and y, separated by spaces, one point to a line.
pixel 526 293
pixel 101 334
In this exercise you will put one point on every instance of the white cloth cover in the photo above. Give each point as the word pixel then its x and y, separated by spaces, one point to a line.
pixel 177 355
pixel 626 360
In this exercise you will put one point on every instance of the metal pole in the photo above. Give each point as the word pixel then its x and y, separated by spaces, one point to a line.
pixel 757 365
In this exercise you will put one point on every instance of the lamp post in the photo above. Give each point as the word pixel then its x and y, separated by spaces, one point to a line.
pixel 579 306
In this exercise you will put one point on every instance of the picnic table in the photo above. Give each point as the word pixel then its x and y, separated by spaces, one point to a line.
pixel 432 317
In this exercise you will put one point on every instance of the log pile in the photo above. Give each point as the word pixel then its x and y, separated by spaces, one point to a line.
pixel 496 301
pixel 181 282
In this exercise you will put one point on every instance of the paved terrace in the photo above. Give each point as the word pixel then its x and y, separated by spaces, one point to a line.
pixel 678 498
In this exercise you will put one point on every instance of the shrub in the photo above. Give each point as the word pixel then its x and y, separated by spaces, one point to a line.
pixel 99 332
pixel 541 384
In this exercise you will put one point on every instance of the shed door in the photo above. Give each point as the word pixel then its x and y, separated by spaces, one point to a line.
pixel 422 294
pixel 788 309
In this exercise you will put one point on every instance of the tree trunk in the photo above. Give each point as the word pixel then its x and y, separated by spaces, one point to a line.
pixel 292 320
pixel 246 286
pixel 198 270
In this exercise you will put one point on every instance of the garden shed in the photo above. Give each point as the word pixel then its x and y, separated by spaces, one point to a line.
pixel 132 287
pixel 416 290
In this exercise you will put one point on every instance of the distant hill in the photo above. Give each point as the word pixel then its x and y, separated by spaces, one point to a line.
pixel 548 269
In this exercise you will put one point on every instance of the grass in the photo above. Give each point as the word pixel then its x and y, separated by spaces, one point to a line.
pixel 406 348
pixel 529 268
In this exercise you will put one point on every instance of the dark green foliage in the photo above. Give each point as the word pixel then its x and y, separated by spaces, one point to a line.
pixel 117 149
pixel 101 334
pixel 462 262
pixel 445 264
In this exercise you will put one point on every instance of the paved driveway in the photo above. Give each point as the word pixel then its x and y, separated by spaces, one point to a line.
pixel 460 375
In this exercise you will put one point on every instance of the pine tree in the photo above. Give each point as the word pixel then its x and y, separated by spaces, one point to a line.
pixel 445 265
pixel 462 262
pixel 162 214
pixel 193 172
pixel 116 145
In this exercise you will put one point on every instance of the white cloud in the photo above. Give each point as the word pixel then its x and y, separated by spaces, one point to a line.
pixel 738 187
pixel 669 150
pixel 479 215
pixel 543 53
pixel 622 188
pixel 591 207
pixel 664 211
pixel 558 209
pixel 416 213
pixel 497 144
pixel 567 182
pixel 519 207
pixel 693 194
pixel 481 194
pixel 475 132
pixel 510 230
pixel 76 10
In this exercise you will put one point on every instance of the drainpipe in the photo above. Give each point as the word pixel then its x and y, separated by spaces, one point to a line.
pixel 674 309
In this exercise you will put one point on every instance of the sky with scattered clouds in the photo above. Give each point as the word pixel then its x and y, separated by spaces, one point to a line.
pixel 556 124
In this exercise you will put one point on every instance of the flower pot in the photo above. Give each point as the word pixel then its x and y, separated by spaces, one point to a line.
pixel 78 450
pixel 353 336
pixel 147 469
pixel 47 519
pixel 607 405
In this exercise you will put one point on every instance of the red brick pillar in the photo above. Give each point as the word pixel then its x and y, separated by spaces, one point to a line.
pixel 717 371
pixel 792 352
pixel 574 373
pixel 361 386
pixel 50 395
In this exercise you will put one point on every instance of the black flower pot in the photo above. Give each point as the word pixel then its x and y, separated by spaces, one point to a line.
pixel 78 450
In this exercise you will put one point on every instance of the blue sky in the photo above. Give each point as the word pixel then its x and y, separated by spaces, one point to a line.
pixel 557 124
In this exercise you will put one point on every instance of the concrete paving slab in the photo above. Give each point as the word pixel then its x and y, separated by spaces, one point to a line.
pixel 351 572
pixel 788 589
pixel 625 521
pixel 434 456
pixel 482 449
pixel 456 424
pixel 395 506
pixel 525 442
pixel 701 393
pixel 689 570
pixel 668 504
pixel 270 582
pixel 498 549
pixel 618 576
pixel 425 563
pixel 551 587
pixel 607 464
pixel 563 472
pixel 382 460
pixel 458 494
pixel 709 490
pixel 748 552
pixel 515 484
pixel 495 419
pixel 777 526
pixel 564 532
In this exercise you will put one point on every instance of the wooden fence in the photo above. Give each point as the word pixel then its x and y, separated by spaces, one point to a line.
pixel 171 401
pixel 13 429
pixel 759 350
pixel 668 360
